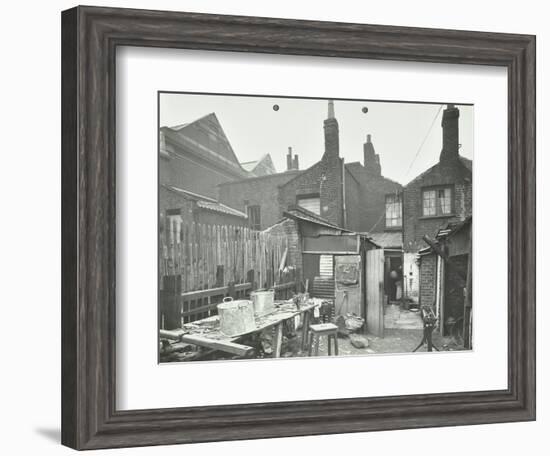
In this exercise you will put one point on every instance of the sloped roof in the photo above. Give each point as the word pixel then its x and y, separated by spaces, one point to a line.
pixel 466 162
pixel 262 167
pixel 358 171
pixel 210 125
pixel 280 178
pixel 447 232
pixel 388 239
pixel 307 216
pixel 207 203
pixel 299 213
pixel 453 228
pixel 249 166
pixel 220 207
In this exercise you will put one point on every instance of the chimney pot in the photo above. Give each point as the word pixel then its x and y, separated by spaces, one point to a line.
pixel 296 166
pixel 289 159
pixel 330 109
pixel 449 125
pixel 332 138
pixel 371 159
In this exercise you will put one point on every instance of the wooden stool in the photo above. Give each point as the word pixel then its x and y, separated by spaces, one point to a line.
pixel 323 329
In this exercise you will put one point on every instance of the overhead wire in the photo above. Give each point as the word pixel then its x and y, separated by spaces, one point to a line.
pixel 423 141
pixel 414 159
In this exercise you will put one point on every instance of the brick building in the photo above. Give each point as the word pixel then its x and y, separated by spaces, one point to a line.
pixel 193 159
pixel 197 156
pixel 262 167
pixel 380 208
pixel 353 196
pixel 445 278
pixel 257 195
pixel 439 196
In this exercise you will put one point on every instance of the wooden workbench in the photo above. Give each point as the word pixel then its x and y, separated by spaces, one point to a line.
pixel 206 332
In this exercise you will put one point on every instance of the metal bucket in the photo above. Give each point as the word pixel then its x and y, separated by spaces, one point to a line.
pixel 236 317
pixel 264 302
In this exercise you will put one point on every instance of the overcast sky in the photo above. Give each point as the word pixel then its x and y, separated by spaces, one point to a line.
pixel 254 128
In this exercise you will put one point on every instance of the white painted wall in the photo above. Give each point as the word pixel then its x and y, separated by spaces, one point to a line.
pixel 30 181
pixel 411 284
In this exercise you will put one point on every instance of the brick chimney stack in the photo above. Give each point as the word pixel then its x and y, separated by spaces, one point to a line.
pixel 449 125
pixel 289 159
pixel 296 165
pixel 332 141
pixel 371 158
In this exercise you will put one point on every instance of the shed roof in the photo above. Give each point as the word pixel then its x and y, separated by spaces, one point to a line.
pixel 301 214
pixel 207 203
pixel 452 228
pixel 388 239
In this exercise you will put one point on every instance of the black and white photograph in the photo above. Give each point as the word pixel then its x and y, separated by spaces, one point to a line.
pixel 304 227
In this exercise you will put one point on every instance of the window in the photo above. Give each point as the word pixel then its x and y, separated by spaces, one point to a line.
pixel 254 217
pixel 393 211
pixel 310 203
pixel 437 201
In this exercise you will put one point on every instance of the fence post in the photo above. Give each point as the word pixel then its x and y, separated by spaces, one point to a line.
pixel 250 279
pixel 170 301
pixel 231 290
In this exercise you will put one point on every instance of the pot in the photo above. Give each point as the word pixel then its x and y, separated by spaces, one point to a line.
pixel 264 302
pixel 236 317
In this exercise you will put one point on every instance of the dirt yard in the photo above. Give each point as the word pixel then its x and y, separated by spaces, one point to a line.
pixel 394 341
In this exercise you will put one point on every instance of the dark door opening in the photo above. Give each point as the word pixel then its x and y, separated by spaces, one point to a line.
pixel 456 271
pixel 393 278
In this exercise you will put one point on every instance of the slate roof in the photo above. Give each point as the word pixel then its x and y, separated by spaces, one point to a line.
pixel 204 202
pixel 466 162
pixel 209 123
pixel 262 167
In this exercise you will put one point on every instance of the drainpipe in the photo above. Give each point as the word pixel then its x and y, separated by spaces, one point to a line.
pixel 345 218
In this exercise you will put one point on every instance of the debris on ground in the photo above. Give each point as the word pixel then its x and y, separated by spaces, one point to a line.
pixel 348 324
pixel 358 341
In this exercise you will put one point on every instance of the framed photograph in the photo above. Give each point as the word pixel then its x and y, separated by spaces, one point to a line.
pixel 280 228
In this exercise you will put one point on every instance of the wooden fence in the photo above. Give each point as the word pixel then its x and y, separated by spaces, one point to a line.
pixel 209 256
pixel 179 308
pixel 205 263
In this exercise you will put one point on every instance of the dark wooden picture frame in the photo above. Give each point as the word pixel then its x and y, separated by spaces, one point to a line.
pixel 90 37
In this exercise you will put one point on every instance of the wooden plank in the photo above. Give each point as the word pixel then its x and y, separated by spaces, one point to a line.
pixel 283 260
pixel 174 334
pixel 278 340
pixel 222 345
pixel 375 293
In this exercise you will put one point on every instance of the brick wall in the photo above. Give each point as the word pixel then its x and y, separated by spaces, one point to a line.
pixel 373 191
pixel 455 174
pixel 260 191
pixel 171 200
pixel 428 271
pixel 192 175
pixel 325 179
pixel 353 203
pixel 191 213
